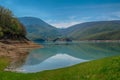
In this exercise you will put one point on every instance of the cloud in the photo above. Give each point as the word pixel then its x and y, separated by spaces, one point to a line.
pixel 65 24
pixel 72 17
pixel 86 18
pixel 109 16
pixel 116 14
pixel 72 20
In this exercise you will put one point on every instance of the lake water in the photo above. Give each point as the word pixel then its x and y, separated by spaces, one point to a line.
pixel 59 55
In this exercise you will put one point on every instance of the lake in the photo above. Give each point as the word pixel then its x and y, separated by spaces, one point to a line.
pixel 59 55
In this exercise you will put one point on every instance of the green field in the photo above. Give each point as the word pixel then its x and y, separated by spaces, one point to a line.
pixel 103 69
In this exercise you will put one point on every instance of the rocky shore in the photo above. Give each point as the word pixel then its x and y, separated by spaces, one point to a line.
pixel 16 51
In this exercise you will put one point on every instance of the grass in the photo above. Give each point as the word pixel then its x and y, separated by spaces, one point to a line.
pixel 103 69
pixel 4 61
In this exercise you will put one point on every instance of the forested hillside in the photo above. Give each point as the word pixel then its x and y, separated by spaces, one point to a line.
pixel 99 30
pixel 10 27
pixel 38 29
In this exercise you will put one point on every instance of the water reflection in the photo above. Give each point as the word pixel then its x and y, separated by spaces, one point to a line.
pixel 56 61
pixel 56 56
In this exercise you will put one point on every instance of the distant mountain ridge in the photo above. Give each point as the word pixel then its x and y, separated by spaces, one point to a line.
pixel 38 29
pixel 98 30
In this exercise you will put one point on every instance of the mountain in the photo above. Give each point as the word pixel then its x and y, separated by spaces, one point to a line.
pixel 99 30
pixel 10 27
pixel 38 29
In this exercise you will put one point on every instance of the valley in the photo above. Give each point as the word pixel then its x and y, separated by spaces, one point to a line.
pixel 99 30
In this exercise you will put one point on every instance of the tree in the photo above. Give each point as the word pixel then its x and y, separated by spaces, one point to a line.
pixel 10 27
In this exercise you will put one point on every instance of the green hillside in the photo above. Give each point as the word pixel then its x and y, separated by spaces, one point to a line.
pixel 108 35
pixel 103 69
pixel 10 27
pixel 38 29
pixel 100 30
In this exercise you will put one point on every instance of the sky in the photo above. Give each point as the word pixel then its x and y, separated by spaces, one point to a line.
pixel 65 13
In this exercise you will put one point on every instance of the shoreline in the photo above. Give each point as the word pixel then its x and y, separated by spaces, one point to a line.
pixel 101 40
pixel 86 41
pixel 96 41
pixel 16 52
pixel 93 69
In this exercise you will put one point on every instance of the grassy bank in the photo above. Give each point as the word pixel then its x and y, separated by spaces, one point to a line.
pixel 104 69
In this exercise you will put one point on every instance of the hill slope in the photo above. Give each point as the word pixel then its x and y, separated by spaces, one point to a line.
pixel 100 30
pixel 38 29
pixel 10 27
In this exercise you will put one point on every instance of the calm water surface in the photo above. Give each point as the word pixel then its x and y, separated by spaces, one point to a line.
pixel 60 55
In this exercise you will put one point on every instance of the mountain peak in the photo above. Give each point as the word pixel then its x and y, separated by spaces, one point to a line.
pixel 38 28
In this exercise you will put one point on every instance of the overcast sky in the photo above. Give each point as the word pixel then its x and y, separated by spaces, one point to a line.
pixel 64 13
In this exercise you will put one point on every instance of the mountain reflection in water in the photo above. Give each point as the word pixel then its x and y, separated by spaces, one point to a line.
pixel 57 56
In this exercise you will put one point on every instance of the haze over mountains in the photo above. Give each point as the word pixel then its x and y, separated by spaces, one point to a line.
pixel 99 30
